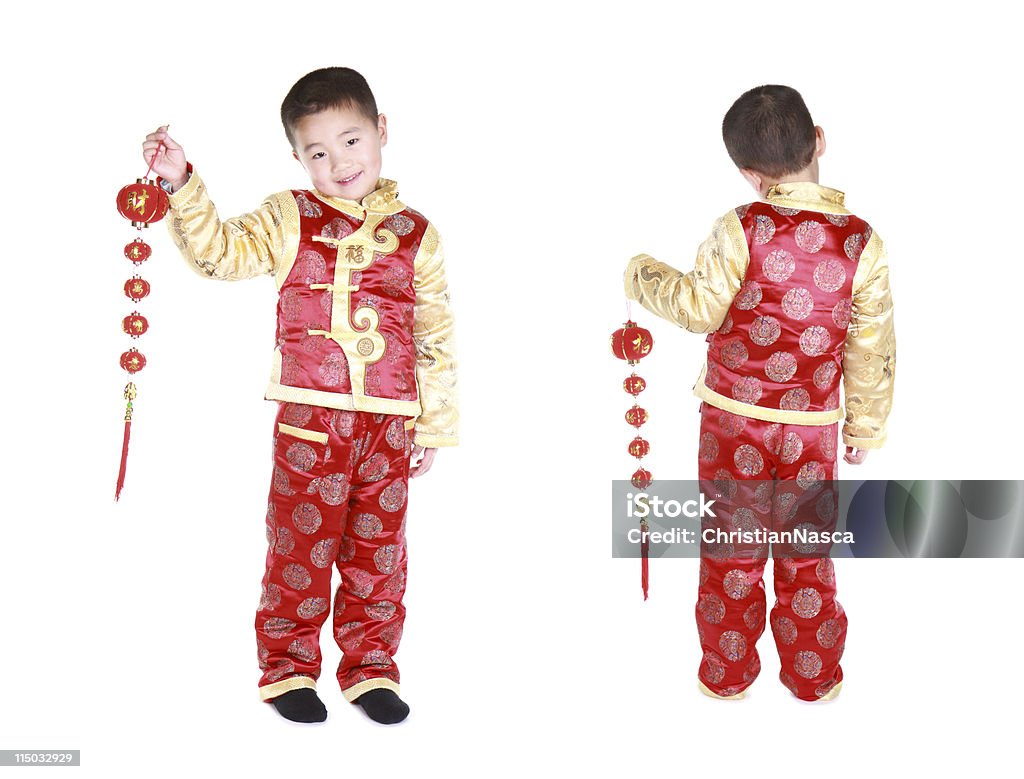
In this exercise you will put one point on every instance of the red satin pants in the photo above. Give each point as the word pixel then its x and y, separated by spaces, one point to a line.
pixel 775 473
pixel 338 497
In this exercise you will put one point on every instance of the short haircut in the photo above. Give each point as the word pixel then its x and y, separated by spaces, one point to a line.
pixel 321 90
pixel 770 130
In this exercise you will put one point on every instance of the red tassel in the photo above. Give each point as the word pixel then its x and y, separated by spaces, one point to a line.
pixel 129 396
pixel 645 544
pixel 124 457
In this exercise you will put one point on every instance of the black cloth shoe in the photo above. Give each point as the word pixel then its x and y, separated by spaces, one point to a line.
pixel 300 705
pixel 383 706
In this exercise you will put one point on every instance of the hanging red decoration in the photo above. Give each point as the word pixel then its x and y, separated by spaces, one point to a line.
pixel 142 203
pixel 632 343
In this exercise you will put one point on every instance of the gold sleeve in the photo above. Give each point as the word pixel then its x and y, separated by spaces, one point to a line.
pixel 700 299
pixel 434 338
pixel 263 241
pixel 869 362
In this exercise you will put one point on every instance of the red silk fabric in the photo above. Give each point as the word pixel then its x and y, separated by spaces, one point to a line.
pixel 781 344
pixel 341 503
pixel 773 476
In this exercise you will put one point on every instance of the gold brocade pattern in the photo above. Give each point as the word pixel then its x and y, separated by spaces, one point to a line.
pixel 286 685
pixel 806 195
pixel 366 685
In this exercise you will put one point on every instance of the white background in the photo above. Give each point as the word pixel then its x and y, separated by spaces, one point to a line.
pixel 549 143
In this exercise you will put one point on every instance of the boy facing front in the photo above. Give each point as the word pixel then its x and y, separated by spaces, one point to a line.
pixel 794 291
pixel 364 373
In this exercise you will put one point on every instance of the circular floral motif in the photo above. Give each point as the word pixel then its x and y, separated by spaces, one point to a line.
pixel 829 633
pixel 350 635
pixel 396 280
pixel 810 236
pixel 806 602
pixel 839 220
pixel 811 475
pixel 396 584
pixel 285 541
pixel 357 582
pixel 726 327
pixel 711 608
pixel 713 668
pixel 747 390
pixel 333 370
pixel 367 525
pixel 853 246
pixel 300 456
pixel 725 484
pixel 731 424
pixel 733 645
pixel 765 330
pixel 753 617
pixel 734 353
pixel 786 569
pixel 814 341
pixel 711 377
pixel 752 669
pixel 395 435
pixel 342 423
pixel 311 607
pixel 303 649
pixel 291 303
pixel 323 552
pixel 306 518
pixel 333 488
pixel 310 267
pixel 797 399
pixel 374 469
pixel 270 597
pixel 824 374
pixel 748 460
pixel 736 584
pixel 798 303
pixel 741 211
pixel 703 572
pixel 841 314
pixel 278 671
pixel 296 576
pixel 773 438
pixel 399 224
pixel 807 663
pixel 393 497
pixel 392 634
pixel 749 295
pixel 827 441
pixel 381 610
pixel 376 657
pixel 778 265
pixel 297 414
pixel 337 228
pixel 786 211
pixel 825 508
pixel 764 229
pixel 825 571
pixel 792 448
pixel 386 558
pixel 780 367
pixel 708 451
pixel 829 275
pixel 784 629
pixel 785 506
pixel 347 550
pixel 278 627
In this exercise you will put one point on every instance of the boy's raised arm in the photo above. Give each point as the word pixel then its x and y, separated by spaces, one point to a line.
pixel 700 299
pixel 433 337
pixel 869 360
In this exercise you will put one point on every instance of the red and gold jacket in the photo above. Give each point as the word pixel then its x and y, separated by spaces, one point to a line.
pixel 795 293
pixel 363 315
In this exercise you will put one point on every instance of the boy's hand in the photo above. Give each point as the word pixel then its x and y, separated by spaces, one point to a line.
pixel 426 459
pixel 170 161
pixel 855 456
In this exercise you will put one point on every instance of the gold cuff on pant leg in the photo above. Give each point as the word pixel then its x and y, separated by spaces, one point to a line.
pixel 286 685
pixel 711 694
pixel 832 693
pixel 356 690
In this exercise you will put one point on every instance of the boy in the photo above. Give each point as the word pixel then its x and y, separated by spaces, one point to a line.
pixel 364 373
pixel 794 291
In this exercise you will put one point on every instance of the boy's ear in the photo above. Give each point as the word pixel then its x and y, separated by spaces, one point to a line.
pixel 819 141
pixel 382 128
pixel 295 154
pixel 753 178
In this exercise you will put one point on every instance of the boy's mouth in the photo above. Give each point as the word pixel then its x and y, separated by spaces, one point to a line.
pixel 350 179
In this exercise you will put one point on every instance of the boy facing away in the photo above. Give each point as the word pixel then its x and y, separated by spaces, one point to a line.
pixel 364 374
pixel 794 291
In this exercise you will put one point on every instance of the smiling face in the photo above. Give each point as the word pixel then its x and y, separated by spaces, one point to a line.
pixel 340 150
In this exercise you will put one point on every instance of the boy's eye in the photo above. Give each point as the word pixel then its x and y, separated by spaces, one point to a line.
pixel 318 155
pixel 351 141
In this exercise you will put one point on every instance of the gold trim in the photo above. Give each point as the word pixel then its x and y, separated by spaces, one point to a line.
pixel 711 694
pixel 291 231
pixel 310 397
pixel 379 683
pixel 188 189
pixel 734 229
pixel 807 196
pixel 434 441
pixel 383 200
pixel 785 416
pixel 305 435
pixel 287 685
pixel 410 424
pixel 831 693
pixel 864 443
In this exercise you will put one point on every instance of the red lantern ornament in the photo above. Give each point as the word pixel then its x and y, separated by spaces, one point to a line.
pixel 136 288
pixel 134 324
pixel 639 448
pixel 142 203
pixel 634 385
pixel 138 251
pixel 632 343
pixel 133 360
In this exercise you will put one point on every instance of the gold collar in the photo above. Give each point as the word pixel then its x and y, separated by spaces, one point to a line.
pixel 383 200
pixel 807 196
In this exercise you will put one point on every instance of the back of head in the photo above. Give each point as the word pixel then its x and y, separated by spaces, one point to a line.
pixel 770 130
pixel 323 89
